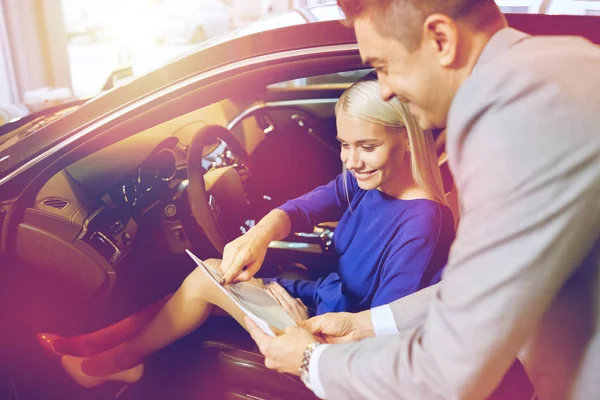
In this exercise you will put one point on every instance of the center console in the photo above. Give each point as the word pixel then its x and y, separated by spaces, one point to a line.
pixel 111 232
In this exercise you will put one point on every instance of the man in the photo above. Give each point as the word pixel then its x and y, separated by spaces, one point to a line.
pixel 522 116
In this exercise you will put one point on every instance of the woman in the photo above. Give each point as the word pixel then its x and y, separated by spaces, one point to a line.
pixel 393 238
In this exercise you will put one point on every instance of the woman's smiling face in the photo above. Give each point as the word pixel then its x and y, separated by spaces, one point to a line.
pixel 373 153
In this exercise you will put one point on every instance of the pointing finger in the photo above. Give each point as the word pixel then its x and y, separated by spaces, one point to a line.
pixel 232 271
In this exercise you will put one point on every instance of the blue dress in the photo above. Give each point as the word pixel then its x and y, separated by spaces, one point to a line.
pixel 388 248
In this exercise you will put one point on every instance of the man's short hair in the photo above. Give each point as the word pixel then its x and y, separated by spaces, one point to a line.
pixel 403 19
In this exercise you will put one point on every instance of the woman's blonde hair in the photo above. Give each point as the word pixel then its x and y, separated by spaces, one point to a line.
pixel 362 100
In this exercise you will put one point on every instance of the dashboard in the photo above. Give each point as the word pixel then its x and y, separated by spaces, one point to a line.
pixel 101 212
pixel 132 193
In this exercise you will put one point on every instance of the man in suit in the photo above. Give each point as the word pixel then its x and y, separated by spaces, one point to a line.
pixel 522 116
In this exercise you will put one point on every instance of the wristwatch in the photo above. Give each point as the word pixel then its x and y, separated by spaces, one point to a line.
pixel 306 361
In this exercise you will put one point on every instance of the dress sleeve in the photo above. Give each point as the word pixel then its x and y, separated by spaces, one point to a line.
pixel 404 270
pixel 325 203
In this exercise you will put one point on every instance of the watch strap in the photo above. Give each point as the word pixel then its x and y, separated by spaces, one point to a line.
pixel 308 351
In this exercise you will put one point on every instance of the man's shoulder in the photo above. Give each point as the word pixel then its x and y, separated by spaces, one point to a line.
pixel 533 63
pixel 535 77
pixel 535 102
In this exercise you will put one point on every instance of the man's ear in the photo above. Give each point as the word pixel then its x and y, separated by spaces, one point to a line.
pixel 440 32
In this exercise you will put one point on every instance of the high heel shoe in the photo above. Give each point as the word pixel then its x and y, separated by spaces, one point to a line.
pixel 72 366
pixel 47 341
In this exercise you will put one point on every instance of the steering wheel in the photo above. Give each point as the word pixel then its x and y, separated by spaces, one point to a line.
pixel 217 198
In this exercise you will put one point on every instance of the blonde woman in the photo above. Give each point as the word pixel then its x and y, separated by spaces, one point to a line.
pixel 393 239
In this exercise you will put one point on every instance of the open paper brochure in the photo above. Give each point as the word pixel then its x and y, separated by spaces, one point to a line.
pixel 259 306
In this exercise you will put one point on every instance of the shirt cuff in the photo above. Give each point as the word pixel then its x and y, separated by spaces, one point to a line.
pixel 313 372
pixel 383 321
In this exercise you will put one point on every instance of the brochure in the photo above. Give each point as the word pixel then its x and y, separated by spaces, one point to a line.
pixel 257 304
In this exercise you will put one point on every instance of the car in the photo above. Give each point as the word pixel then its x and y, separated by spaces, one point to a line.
pixel 100 199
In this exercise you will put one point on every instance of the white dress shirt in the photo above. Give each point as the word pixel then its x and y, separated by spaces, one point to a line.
pixel 383 324
pixel 414 308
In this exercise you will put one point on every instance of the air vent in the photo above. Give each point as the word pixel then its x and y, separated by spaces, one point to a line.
pixel 54 202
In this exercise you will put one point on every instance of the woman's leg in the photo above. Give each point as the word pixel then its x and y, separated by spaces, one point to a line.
pixel 90 344
pixel 184 312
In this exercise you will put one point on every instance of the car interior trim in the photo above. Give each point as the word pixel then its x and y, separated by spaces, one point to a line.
pixel 297 246
pixel 273 104
pixel 86 224
pixel 102 238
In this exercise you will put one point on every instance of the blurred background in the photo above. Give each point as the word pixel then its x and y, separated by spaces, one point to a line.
pixel 52 51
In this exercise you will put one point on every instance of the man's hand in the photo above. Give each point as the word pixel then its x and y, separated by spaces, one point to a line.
pixel 295 308
pixel 282 353
pixel 340 327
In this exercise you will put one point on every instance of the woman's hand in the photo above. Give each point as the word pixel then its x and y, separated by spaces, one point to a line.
pixel 243 257
pixel 294 307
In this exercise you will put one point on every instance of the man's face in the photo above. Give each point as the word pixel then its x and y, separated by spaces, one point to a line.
pixel 414 77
